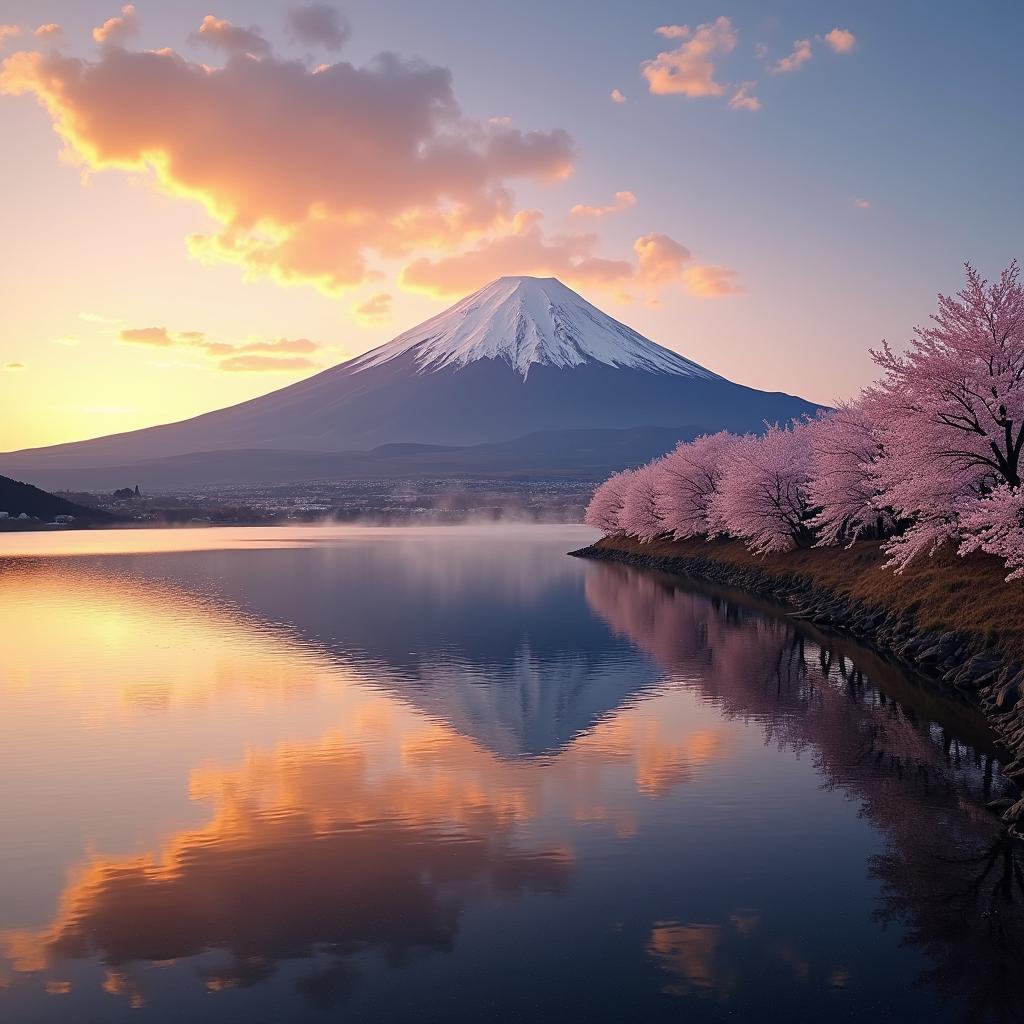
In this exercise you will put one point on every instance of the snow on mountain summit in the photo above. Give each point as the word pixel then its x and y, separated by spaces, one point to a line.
pixel 525 321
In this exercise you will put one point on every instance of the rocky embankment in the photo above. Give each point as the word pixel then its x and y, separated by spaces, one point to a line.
pixel 958 661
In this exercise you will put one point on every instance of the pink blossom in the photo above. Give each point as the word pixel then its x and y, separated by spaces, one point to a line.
pixel 995 524
pixel 762 496
pixel 846 445
pixel 688 481
pixel 640 516
pixel 605 508
pixel 953 411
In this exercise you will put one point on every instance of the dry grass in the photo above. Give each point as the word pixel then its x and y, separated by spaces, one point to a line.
pixel 968 595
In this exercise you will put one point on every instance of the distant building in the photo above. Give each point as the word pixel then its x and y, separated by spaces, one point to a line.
pixel 63 519
pixel 5 515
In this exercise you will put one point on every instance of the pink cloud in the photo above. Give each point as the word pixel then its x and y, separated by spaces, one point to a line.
pixel 623 201
pixel 743 99
pixel 861 204
pixel 118 30
pixel 801 55
pixel 841 40
pixel 222 35
pixel 673 31
pixel 711 281
pixel 689 70
pixel 617 96
pixel 51 31
pixel 373 160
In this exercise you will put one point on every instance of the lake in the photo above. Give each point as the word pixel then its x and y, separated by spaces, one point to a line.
pixel 450 774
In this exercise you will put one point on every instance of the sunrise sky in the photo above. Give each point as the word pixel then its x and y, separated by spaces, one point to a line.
pixel 202 202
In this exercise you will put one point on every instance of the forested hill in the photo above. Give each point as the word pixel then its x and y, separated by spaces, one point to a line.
pixel 16 497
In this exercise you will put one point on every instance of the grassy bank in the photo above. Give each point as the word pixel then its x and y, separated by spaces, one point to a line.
pixel 965 595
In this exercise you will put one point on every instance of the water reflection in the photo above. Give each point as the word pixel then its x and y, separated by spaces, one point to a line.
pixel 949 872
pixel 289 773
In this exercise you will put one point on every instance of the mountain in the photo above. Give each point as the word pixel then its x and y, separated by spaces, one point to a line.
pixel 521 355
pixel 587 454
pixel 16 498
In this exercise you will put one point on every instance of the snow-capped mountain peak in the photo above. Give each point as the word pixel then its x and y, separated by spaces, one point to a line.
pixel 525 321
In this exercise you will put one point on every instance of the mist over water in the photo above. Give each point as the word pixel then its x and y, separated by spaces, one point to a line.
pixel 451 774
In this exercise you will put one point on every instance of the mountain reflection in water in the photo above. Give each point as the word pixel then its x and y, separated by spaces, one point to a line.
pixel 453 775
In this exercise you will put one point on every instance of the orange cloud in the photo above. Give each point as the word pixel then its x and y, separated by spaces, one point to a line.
pixel 8 32
pixel 743 99
pixel 801 55
pixel 51 30
pixel 673 31
pixel 222 35
pixel 14 367
pixel 711 281
pixel 623 201
pixel 263 364
pixel 252 355
pixel 116 31
pixel 376 309
pixel 524 250
pixel 157 336
pixel 368 160
pixel 660 261
pixel 689 70
pixel 318 24
pixel 841 40
pixel 617 96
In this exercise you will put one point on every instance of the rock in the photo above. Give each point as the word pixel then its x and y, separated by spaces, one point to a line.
pixel 1003 805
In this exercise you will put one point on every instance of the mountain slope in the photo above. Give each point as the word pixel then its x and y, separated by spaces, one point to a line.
pixel 16 497
pixel 519 356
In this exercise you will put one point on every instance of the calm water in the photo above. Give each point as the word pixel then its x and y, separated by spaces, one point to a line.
pixel 453 775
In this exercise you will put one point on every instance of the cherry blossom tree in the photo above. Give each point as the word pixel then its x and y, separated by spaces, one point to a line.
pixel 762 495
pixel 605 508
pixel 640 515
pixel 846 445
pixel 953 412
pixel 995 524
pixel 688 481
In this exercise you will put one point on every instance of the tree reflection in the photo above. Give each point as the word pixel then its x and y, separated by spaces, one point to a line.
pixel 950 874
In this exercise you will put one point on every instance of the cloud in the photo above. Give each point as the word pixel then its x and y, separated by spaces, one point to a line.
pixel 319 24
pixel 8 32
pixel 660 259
pixel 841 40
pixel 157 336
pixel 258 355
pixel 117 31
pixel 743 99
pixel 660 262
pixel 14 367
pixel 801 55
pixel 689 70
pixel 524 250
pixel 711 281
pixel 375 310
pixel 311 173
pixel 222 35
pixel 673 31
pixel 68 339
pixel 861 204
pixel 617 96
pixel 264 364
pixel 51 31
pixel 623 201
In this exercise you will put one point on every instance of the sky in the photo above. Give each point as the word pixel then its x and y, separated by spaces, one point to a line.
pixel 202 202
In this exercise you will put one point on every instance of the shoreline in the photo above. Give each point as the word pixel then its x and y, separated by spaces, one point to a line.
pixel 982 671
